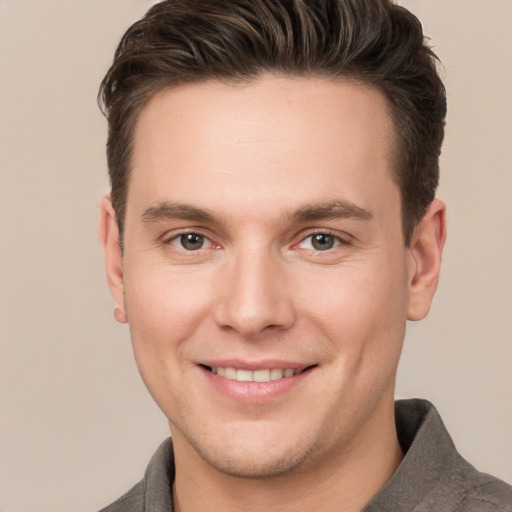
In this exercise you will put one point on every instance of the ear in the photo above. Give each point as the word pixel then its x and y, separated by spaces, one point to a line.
pixel 425 259
pixel 109 236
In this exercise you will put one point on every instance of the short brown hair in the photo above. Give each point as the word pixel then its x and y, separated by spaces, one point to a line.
pixel 373 41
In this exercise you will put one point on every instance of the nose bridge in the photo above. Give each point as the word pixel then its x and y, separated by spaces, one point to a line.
pixel 254 297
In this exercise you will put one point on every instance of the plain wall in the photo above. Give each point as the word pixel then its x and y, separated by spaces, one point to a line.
pixel 77 426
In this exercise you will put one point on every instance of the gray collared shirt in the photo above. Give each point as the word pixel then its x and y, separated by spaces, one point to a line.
pixel 432 477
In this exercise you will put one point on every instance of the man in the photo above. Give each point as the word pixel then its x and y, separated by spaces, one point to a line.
pixel 271 227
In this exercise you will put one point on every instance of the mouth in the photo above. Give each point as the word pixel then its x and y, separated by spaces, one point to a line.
pixel 259 375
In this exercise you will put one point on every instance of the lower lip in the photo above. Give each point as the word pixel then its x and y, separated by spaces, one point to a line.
pixel 255 392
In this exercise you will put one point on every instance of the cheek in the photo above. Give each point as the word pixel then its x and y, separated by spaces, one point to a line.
pixel 164 310
pixel 164 303
pixel 361 307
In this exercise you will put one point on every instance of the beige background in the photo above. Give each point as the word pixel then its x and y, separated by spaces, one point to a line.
pixel 76 425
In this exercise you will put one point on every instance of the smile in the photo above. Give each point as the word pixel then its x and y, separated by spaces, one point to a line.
pixel 264 375
pixel 255 383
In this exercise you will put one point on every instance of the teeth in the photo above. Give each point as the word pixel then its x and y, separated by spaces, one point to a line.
pixel 265 375
pixel 276 374
pixel 230 373
pixel 244 375
pixel 261 376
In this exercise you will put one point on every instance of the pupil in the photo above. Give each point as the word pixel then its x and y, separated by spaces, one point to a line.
pixel 321 242
pixel 192 241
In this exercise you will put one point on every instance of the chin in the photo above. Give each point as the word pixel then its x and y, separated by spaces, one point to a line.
pixel 245 452
pixel 264 464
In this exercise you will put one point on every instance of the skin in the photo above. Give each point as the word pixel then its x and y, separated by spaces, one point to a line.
pixel 256 171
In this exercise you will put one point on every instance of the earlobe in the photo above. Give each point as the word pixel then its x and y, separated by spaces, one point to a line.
pixel 120 315
pixel 109 236
pixel 425 259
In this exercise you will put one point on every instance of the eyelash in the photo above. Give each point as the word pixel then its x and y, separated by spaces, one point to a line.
pixel 176 238
pixel 337 240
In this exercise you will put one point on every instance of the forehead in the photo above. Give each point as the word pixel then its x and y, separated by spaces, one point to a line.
pixel 300 138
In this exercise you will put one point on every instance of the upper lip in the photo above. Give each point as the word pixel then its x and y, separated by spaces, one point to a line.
pixel 256 365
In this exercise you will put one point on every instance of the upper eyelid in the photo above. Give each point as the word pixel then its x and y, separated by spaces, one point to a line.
pixel 343 237
pixel 173 234
pixel 170 243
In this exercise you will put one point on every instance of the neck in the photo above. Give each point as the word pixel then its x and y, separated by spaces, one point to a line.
pixel 344 483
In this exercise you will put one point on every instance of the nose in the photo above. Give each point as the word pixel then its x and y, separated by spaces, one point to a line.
pixel 253 296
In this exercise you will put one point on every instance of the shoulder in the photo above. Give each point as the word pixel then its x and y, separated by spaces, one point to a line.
pixel 153 492
pixel 484 493
pixel 132 501
pixel 433 475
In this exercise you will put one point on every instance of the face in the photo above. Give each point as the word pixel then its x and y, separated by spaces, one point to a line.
pixel 264 276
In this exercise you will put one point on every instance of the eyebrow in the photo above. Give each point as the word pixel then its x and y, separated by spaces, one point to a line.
pixel 167 211
pixel 338 209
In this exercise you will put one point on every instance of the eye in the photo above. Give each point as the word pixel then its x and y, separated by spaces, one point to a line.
pixel 190 241
pixel 320 242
